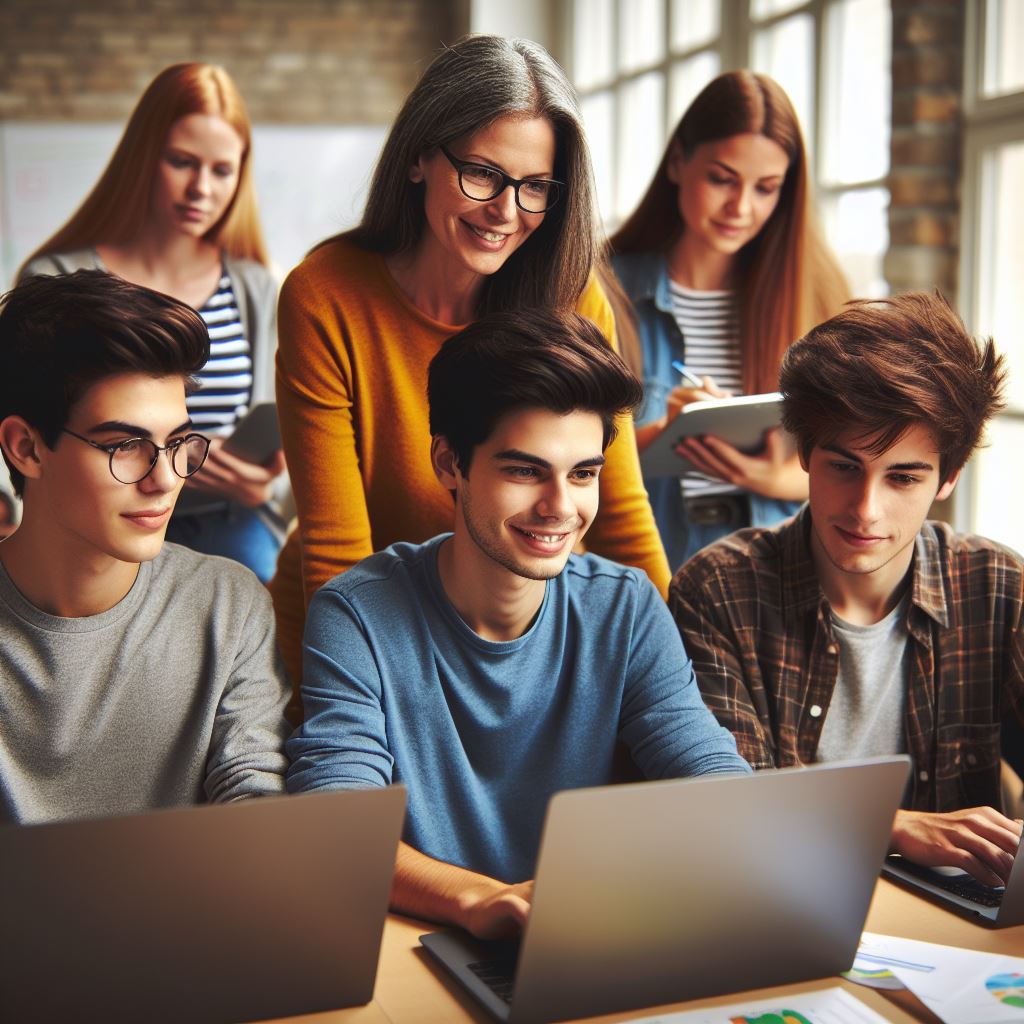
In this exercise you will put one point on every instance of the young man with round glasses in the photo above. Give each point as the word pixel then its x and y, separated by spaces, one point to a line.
pixel 133 674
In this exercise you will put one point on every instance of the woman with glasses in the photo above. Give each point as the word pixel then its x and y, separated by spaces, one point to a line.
pixel 482 200
pixel 175 210
pixel 724 268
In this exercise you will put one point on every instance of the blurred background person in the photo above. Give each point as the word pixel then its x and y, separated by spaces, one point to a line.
pixel 175 210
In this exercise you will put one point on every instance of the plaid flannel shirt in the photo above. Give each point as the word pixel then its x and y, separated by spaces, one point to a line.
pixel 759 631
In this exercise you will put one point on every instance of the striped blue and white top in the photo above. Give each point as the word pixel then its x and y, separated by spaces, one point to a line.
pixel 225 391
pixel 709 321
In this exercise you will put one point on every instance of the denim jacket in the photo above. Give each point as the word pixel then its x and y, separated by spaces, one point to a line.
pixel 644 276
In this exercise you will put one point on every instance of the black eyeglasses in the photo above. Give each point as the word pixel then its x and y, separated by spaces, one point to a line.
pixel 484 183
pixel 133 460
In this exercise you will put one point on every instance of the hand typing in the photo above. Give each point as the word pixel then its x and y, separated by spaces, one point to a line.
pixel 496 911
pixel 978 840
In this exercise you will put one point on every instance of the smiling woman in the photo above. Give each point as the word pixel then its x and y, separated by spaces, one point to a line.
pixel 175 211
pixel 473 227
pixel 481 202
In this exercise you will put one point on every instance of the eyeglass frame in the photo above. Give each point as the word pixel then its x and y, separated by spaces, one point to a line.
pixel 506 180
pixel 173 446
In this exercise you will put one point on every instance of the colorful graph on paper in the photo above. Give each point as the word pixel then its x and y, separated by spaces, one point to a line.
pixel 773 1017
pixel 828 1006
pixel 1007 988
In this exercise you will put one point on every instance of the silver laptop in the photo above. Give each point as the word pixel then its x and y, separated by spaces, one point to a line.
pixel 958 891
pixel 232 912
pixel 663 891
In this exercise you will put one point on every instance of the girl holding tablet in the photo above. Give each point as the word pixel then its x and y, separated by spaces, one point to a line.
pixel 724 269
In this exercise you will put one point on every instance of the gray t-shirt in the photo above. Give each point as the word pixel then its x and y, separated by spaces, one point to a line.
pixel 173 696
pixel 865 715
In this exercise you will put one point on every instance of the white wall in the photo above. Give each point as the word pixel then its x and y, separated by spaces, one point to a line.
pixel 529 19
pixel 311 182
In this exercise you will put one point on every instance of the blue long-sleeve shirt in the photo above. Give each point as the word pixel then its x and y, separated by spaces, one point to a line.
pixel 397 688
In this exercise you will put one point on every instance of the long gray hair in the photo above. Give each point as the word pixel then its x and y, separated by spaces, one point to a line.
pixel 469 86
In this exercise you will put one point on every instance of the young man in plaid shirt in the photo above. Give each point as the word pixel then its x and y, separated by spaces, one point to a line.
pixel 859 627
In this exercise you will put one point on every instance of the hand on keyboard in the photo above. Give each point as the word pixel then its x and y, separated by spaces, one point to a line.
pixel 978 840
pixel 497 913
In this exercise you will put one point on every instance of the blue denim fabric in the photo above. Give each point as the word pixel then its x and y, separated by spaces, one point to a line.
pixel 233 531
pixel 644 276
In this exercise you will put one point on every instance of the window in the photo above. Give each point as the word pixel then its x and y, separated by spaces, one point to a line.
pixel 991 494
pixel 638 63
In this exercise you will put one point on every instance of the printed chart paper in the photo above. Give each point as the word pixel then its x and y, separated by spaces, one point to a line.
pixel 868 973
pixel 962 986
pixel 829 1006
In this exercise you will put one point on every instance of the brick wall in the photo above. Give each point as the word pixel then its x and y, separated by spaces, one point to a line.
pixel 295 61
pixel 924 178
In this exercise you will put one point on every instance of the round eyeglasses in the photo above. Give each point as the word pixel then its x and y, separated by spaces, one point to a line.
pixel 133 460
pixel 484 183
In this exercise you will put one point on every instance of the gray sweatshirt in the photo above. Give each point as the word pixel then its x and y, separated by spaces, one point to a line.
pixel 173 696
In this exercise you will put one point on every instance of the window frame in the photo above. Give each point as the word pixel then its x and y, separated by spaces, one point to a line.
pixel 734 49
pixel 988 123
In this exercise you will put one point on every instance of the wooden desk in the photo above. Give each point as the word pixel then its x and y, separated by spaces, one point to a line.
pixel 412 990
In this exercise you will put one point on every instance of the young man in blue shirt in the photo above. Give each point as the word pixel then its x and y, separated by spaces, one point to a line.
pixel 489 668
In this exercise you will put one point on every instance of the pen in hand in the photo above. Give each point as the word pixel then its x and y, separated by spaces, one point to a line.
pixel 686 374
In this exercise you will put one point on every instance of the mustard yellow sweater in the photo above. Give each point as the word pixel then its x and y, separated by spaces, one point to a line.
pixel 351 391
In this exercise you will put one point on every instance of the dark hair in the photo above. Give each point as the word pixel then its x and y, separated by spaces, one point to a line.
pixel 467 87
pixel 529 359
pixel 880 367
pixel 59 335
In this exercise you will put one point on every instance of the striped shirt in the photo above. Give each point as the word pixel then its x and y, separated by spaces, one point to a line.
pixel 764 649
pixel 709 321
pixel 225 390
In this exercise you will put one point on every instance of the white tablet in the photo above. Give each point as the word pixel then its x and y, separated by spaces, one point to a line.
pixel 741 421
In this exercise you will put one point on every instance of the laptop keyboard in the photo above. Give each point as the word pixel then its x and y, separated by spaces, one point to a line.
pixel 964 886
pixel 498 975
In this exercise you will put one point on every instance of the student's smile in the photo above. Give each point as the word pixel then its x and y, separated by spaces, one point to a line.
pixel 543 539
pixel 727 190
pixel 532 491
pixel 149 519
pixel 731 230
